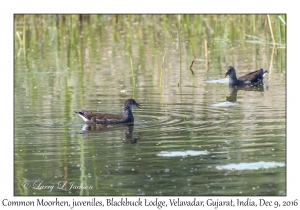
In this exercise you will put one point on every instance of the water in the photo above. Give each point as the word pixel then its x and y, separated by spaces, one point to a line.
pixel 192 136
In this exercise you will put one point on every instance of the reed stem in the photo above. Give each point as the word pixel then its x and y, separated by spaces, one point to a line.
pixel 133 79
pixel 270 26
pixel 206 54
pixel 161 71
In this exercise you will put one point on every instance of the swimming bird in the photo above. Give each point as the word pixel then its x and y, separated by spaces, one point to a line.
pixel 98 118
pixel 253 78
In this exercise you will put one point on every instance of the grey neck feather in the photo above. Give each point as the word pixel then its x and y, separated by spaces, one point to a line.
pixel 127 113
pixel 233 79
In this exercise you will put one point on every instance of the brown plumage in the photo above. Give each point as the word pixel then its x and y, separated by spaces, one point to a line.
pixel 99 118
pixel 253 78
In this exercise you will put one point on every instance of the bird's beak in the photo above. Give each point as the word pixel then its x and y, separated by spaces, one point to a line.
pixel 138 105
pixel 226 73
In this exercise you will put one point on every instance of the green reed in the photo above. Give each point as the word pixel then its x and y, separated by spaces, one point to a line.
pixel 151 25
pixel 271 30
pixel 79 39
pixel 161 71
pixel 132 74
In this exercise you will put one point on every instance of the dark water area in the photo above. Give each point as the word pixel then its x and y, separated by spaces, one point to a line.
pixel 193 135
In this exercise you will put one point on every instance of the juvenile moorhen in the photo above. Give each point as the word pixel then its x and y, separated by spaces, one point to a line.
pixel 98 118
pixel 253 78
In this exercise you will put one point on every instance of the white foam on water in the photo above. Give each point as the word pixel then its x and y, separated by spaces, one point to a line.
pixel 251 166
pixel 219 81
pixel 182 153
pixel 223 104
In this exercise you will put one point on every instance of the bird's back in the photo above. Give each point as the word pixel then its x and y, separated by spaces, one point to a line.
pixel 252 76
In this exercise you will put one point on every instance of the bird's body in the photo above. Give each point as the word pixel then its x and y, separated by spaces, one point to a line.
pixel 253 78
pixel 99 118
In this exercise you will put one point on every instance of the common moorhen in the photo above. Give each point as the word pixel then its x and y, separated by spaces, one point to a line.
pixel 98 118
pixel 253 78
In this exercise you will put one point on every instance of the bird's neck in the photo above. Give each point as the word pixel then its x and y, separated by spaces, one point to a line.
pixel 127 113
pixel 233 79
pixel 126 109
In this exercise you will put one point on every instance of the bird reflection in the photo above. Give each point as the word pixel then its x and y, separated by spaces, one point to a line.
pixel 234 89
pixel 128 135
